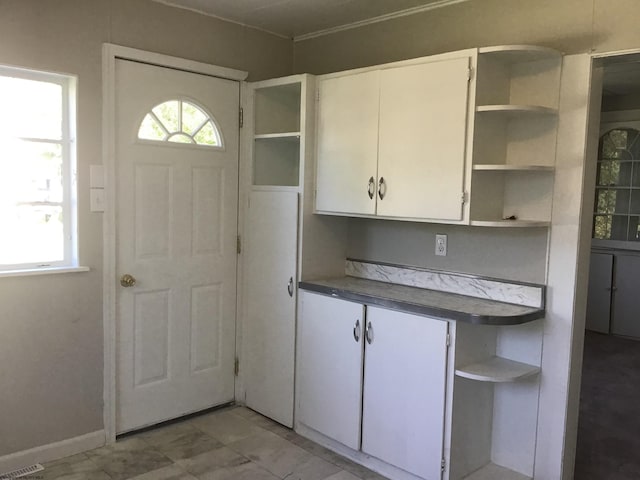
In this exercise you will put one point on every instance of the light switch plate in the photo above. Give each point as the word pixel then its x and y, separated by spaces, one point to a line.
pixel 96 176
pixel 96 196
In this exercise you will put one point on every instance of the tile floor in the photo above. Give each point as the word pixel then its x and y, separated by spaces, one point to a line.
pixel 232 443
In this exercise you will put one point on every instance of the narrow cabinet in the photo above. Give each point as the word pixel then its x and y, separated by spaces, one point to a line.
pixel 373 380
pixel 330 353
pixel 347 144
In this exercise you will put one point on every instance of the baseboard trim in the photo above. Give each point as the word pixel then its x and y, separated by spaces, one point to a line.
pixel 52 451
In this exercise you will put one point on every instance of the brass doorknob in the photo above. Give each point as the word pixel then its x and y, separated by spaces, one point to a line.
pixel 127 280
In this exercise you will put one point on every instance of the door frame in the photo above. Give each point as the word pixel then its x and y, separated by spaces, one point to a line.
pixel 111 53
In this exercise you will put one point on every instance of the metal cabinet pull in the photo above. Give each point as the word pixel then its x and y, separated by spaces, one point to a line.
pixel 290 287
pixel 382 188
pixel 356 331
pixel 371 189
pixel 368 333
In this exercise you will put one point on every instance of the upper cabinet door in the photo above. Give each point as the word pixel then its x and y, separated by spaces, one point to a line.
pixel 423 121
pixel 348 144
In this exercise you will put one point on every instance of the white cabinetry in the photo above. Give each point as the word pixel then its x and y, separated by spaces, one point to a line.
pixel 517 90
pixel 392 141
pixel 402 393
pixel 271 252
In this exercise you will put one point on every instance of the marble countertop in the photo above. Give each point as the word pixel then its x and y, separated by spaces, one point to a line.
pixel 433 303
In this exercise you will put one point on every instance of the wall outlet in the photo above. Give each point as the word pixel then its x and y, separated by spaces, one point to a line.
pixel 441 245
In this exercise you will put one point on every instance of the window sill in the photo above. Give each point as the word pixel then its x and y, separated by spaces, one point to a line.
pixel 42 271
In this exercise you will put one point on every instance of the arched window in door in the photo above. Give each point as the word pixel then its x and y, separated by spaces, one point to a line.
pixel 617 202
pixel 180 121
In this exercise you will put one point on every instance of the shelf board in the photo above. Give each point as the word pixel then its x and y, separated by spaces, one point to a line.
pixel 510 223
pixel 512 168
pixel 516 110
pixel 291 136
pixel 495 472
pixel 496 370
pixel 519 53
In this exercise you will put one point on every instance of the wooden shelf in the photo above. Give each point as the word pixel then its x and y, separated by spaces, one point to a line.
pixel 497 370
pixel 510 223
pixel 516 110
pixel 510 54
pixel 495 472
pixel 512 168
pixel 292 136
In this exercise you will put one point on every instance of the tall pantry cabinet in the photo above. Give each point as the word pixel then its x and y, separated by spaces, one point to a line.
pixel 276 189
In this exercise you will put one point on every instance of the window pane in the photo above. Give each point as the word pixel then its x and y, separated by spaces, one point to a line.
pixel 31 234
pixel 169 113
pixel 612 201
pixel 634 229
pixel 30 172
pixel 150 129
pixel 207 135
pixel 180 138
pixel 31 108
pixel 602 227
pixel 619 225
pixel 192 118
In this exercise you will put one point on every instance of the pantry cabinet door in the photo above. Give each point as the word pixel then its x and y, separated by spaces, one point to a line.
pixel 347 153
pixel 423 122
pixel 329 367
pixel 404 391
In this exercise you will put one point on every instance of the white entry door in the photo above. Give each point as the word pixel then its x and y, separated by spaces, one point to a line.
pixel 177 176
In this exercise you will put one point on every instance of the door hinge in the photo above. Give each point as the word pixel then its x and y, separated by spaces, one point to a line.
pixel 236 366
pixel 443 465
pixel 318 95
pixel 464 197
pixel 238 245
pixel 470 73
pixel 241 117
pixel 448 339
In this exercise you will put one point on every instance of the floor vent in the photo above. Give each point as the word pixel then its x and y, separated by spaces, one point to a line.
pixel 22 472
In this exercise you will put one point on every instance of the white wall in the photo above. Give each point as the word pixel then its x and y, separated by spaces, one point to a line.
pixel 51 352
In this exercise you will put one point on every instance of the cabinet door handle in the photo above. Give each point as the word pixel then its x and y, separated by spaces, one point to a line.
pixel 290 287
pixel 371 189
pixel 356 331
pixel 368 333
pixel 382 188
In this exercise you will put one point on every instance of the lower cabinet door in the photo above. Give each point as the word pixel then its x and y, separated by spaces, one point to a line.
pixel 404 391
pixel 329 376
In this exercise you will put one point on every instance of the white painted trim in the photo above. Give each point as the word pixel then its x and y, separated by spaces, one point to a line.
pixel 42 271
pixel 52 451
pixel 207 14
pixel 110 53
pixel 381 18
pixel 127 53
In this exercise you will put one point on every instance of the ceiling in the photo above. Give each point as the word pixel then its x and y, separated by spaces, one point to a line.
pixel 295 18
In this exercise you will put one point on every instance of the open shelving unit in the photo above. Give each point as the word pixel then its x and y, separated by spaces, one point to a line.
pixel 514 139
pixel 497 369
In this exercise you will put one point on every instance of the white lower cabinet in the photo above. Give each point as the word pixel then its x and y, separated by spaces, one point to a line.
pixel 374 380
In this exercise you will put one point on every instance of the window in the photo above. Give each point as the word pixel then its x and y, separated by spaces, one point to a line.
pixel 617 202
pixel 37 170
pixel 180 121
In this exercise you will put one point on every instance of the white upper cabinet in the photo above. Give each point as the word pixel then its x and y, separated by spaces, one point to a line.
pixel 347 144
pixel 421 146
pixel 392 142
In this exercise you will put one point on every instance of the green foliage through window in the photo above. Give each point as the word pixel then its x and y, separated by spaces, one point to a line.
pixel 179 121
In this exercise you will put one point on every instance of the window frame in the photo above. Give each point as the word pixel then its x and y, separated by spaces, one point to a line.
pixel 67 142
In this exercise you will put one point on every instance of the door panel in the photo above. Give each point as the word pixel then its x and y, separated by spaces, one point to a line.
pixel 404 391
pixel 270 329
pixel 626 300
pixel 330 367
pixel 599 296
pixel 347 143
pixel 423 120
pixel 176 231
